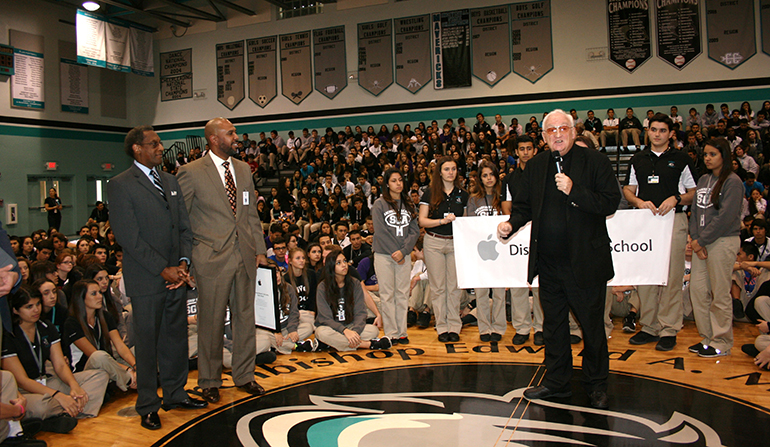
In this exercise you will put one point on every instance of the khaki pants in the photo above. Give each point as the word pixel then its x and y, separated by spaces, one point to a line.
pixel 43 406
pixel 491 315
pixel 608 133
pixel 635 133
pixel 393 280
pixel 762 342
pixel 440 261
pixel 339 341
pixel 266 339
pixel 8 391
pixel 710 283
pixel 117 373
pixel 618 309
pixel 522 311
pixel 660 307
pixel 421 298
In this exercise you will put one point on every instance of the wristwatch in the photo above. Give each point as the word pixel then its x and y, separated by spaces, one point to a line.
pixel 678 198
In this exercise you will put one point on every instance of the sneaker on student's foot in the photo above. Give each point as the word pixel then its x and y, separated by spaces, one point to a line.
pixel 411 318
pixel 423 320
pixel 309 345
pixel 710 351
pixel 380 343
pixel 629 323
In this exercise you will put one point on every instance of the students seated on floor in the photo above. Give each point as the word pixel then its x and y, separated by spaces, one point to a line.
pixel 56 395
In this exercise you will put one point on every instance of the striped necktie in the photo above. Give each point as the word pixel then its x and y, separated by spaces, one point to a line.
pixel 230 185
pixel 156 182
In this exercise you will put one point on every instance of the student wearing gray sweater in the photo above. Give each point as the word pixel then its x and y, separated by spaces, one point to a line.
pixel 715 229
pixel 341 317
pixel 396 230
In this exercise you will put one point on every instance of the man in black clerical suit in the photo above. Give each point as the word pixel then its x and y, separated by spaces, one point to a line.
pixel 567 193
pixel 149 218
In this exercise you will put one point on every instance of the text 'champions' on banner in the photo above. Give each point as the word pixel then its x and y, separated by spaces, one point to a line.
pixel 176 78
pixel 230 82
pixel 296 66
pixel 640 244
pixel 375 56
pixel 629 32
pixel 331 70
pixel 731 34
pixel 263 69
pixel 412 36
pixel 491 55
pixel 531 39
pixel 679 35
pixel 451 36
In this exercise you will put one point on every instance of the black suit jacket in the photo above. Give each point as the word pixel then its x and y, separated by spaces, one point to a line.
pixel 594 196
pixel 153 232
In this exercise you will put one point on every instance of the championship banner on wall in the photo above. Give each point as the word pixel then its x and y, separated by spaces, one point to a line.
pixel 92 47
pixel 531 40
pixel 629 32
pixel 412 36
pixel 117 43
pixel 451 49
pixel 764 17
pixel 331 68
pixel 375 56
pixel 641 244
pixel 731 35
pixel 678 25
pixel 176 79
pixel 73 80
pixel 296 66
pixel 263 72
pixel 230 88
pixel 491 55
pixel 140 40
pixel 28 80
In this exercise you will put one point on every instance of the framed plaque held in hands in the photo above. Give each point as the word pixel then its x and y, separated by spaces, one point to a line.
pixel 266 314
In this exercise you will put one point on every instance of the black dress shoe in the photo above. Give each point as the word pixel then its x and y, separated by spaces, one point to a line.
pixel 541 392
pixel 211 395
pixel 599 400
pixel 151 421
pixel 539 340
pixel 485 337
pixel 454 336
pixel 495 336
pixel 187 404
pixel 520 339
pixel 443 337
pixel 253 388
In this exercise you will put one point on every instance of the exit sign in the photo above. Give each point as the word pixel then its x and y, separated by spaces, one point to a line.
pixel 51 166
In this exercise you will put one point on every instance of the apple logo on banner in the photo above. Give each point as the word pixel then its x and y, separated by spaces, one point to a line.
pixel 488 249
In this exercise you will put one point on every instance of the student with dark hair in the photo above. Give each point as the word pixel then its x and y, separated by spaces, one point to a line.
pixel 439 206
pixel 43 250
pixel 487 200
pixel 394 218
pixel 56 399
pixel 302 278
pixel 714 228
pixel 341 319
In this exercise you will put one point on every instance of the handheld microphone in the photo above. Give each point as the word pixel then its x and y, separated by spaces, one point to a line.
pixel 557 157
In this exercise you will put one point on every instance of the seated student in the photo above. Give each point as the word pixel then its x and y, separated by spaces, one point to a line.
pixel 623 302
pixel 112 302
pixel 291 331
pixel 56 399
pixel 12 411
pixel 93 332
pixel 304 283
pixel 420 303
pixel 52 310
pixel 341 320
pixel 279 253
pixel 747 279
pixel 358 249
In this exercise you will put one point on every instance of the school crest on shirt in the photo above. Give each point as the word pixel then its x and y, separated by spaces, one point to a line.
pixel 392 220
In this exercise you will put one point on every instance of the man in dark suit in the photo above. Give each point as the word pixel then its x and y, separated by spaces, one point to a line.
pixel 228 243
pixel 150 222
pixel 567 193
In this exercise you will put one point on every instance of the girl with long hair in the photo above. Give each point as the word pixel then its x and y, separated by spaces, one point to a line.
pixel 92 333
pixel 53 206
pixel 28 248
pixel 112 304
pixel 715 229
pixel 395 224
pixel 303 281
pixel 24 268
pixel 56 399
pixel 487 200
pixel 314 259
pixel 441 203
pixel 341 318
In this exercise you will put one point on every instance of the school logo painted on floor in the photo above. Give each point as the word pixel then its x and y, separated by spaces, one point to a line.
pixel 474 404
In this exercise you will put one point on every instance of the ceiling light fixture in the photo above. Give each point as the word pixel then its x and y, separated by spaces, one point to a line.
pixel 91 6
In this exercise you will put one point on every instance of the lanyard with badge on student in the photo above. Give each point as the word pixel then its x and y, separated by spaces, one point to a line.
pixel 37 355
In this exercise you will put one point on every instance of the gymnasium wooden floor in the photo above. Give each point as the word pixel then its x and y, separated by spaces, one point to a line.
pixel 733 381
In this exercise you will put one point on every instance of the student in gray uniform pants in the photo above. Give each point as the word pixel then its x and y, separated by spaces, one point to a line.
pixel 395 224
pixel 341 318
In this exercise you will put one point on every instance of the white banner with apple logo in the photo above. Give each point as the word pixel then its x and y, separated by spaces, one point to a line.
pixel 641 244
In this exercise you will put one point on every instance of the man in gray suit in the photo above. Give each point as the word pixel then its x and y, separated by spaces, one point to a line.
pixel 227 246
pixel 150 222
